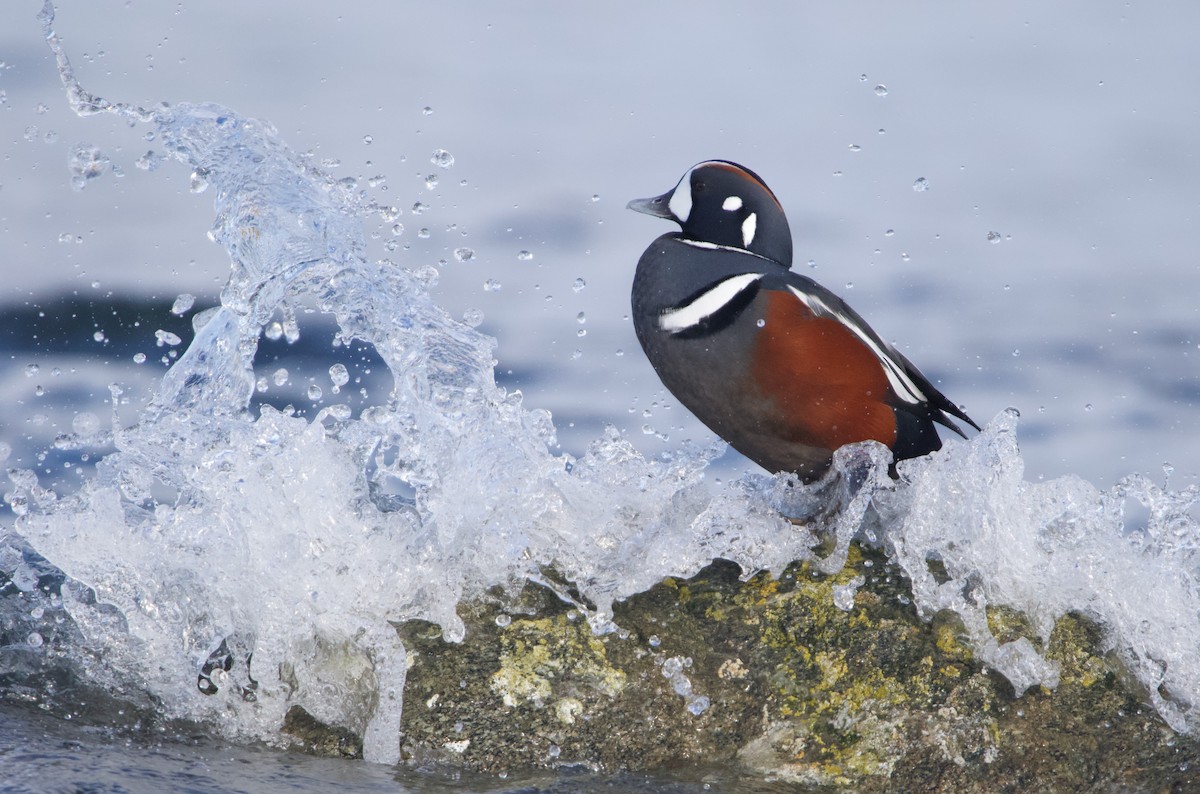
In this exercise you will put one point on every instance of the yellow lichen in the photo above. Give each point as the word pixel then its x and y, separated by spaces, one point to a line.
pixel 538 652
pixel 947 640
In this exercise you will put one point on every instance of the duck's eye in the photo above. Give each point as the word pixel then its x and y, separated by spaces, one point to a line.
pixel 698 186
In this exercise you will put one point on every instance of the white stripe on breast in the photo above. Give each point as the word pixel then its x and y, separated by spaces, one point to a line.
pixel 901 384
pixel 709 303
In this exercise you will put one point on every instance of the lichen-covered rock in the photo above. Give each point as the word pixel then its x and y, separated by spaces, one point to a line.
pixel 826 681
pixel 314 737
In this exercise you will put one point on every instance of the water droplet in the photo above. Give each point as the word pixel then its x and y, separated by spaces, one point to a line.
pixel 99 336
pixel 339 375
pixel 620 352
pixel 1016 353
pixel 921 185
pixel 431 182
pixel 904 257
pixel 442 158
pixel 575 356
pixel 760 322
pixel 579 285
pixel 524 256
pixel 428 275
pixel 492 285
pixel 150 161
pixel 34 639
pixel 854 147
pixel 315 393
pixel 581 332
pixel 85 423
pixel 39 390
pixel 87 162
pixel 881 90
pixel 882 131
pixel 862 78
pixel 167 338
pixel 31 370
pixel 581 318
pixel 397 229
pixel 1088 407
pixel 889 233
pixel 183 303
pixel 595 197
pixel 473 317
pixel 139 358
pixel 260 385
pixel 419 208
pixel 273 331
pixel 503 620
pixel 426 111
pixel 198 183
pixel 993 237
pixel 368 140
pixel 281 376
pixel 464 254
pixel 849 285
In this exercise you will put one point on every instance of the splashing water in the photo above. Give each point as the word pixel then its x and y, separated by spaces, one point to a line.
pixel 285 548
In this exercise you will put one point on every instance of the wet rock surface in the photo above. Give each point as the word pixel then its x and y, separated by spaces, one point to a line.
pixel 310 735
pixel 831 682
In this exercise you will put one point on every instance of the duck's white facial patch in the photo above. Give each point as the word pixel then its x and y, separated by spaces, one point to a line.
pixel 706 305
pixel 749 227
pixel 732 204
pixel 901 384
pixel 681 198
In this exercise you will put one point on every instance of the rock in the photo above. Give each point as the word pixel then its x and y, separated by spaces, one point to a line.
pixel 824 681
pixel 316 738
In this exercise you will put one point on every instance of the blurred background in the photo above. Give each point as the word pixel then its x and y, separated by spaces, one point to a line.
pixel 1008 193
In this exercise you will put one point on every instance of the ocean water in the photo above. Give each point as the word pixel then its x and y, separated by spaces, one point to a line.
pixel 402 353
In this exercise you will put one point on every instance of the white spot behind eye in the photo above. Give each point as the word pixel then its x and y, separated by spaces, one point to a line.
pixel 685 317
pixel 732 203
pixel 749 226
pixel 681 198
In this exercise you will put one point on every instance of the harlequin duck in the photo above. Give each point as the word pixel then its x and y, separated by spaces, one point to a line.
pixel 770 360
